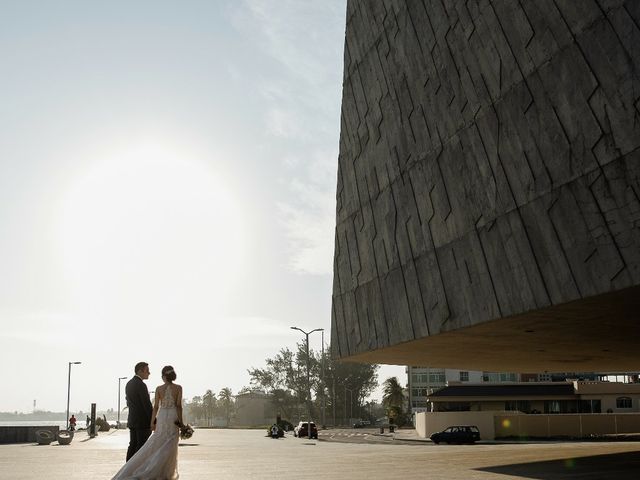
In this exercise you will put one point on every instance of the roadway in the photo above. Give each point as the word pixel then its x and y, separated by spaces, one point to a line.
pixel 352 454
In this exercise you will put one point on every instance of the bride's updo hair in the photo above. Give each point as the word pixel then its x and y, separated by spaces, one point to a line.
pixel 169 373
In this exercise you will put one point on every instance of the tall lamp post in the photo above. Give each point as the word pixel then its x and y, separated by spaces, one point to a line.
pixel 69 389
pixel 345 403
pixel 119 380
pixel 324 420
pixel 306 334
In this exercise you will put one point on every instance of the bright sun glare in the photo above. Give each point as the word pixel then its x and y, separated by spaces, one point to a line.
pixel 150 233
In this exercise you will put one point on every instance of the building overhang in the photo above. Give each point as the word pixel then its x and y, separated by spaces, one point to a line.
pixel 591 334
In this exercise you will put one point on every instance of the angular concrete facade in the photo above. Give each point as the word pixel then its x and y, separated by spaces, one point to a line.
pixel 488 201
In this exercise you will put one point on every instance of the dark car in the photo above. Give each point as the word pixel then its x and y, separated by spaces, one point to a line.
pixel 362 424
pixel 457 434
pixel 302 428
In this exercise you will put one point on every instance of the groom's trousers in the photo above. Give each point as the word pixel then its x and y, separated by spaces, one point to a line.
pixel 137 437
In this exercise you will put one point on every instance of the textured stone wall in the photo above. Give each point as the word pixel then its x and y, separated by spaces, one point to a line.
pixel 489 163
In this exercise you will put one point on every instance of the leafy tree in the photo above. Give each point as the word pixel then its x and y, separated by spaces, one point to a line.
pixel 194 409
pixel 285 377
pixel 284 402
pixel 286 371
pixel 348 385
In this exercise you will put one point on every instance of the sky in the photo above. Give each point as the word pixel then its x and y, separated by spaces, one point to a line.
pixel 167 190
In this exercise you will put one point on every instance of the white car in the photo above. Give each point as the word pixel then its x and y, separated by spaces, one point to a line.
pixel 301 430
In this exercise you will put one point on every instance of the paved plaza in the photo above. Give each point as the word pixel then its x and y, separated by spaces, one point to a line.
pixel 247 454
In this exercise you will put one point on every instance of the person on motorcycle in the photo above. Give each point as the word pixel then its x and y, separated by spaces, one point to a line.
pixel 72 423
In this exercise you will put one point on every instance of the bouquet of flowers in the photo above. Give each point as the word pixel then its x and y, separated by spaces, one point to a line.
pixel 185 430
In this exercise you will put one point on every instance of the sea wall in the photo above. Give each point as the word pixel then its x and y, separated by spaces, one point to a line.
pixel 24 434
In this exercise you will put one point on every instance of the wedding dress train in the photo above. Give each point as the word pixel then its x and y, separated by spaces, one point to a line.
pixel 158 457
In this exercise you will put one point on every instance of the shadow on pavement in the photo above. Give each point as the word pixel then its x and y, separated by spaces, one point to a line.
pixel 621 466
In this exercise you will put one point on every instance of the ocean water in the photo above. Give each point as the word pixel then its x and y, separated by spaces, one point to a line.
pixel 44 423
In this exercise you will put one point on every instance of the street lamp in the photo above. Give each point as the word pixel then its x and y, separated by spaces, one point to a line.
pixel 69 389
pixel 119 379
pixel 324 420
pixel 345 403
pixel 306 334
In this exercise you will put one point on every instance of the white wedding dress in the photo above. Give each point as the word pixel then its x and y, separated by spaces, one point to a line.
pixel 158 457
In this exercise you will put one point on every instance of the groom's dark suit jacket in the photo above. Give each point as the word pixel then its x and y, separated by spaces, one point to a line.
pixel 139 404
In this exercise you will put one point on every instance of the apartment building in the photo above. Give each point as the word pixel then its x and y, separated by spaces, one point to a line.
pixel 423 381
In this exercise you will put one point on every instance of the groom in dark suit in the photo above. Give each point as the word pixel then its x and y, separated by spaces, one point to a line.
pixel 140 409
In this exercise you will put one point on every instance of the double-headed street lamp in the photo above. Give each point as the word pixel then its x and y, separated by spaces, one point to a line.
pixel 119 380
pixel 69 389
pixel 306 334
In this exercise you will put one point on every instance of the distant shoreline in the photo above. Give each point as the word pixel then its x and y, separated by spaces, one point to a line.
pixel 38 423
pixel 54 418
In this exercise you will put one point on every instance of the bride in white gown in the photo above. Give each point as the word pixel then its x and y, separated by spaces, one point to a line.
pixel 158 457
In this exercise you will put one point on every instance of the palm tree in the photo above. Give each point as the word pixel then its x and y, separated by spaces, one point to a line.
pixel 392 397
pixel 209 405
pixel 225 399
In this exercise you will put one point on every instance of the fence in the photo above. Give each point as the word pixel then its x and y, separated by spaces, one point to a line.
pixel 513 424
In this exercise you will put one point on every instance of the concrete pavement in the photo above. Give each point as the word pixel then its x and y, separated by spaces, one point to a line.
pixel 248 454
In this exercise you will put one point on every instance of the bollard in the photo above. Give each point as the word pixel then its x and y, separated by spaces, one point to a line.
pixel 381 429
pixel 93 431
pixel 392 428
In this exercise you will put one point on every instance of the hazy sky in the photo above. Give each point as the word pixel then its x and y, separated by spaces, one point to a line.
pixel 167 190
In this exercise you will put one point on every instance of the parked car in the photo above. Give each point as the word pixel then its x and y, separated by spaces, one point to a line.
pixel 457 434
pixel 362 424
pixel 301 430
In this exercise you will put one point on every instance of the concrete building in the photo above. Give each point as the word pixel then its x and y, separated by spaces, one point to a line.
pixel 424 380
pixel 539 397
pixel 488 197
pixel 536 410
pixel 254 408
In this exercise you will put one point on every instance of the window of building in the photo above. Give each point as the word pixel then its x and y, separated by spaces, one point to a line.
pixel 623 402
pixel 566 406
pixel 419 392
pixel 464 376
pixel 455 407
pixel 590 406
pixel 552 406
pixel 518 406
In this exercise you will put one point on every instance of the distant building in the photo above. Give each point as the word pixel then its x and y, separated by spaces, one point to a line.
pixel 424 380
pixel 539 397
pixel 254 408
